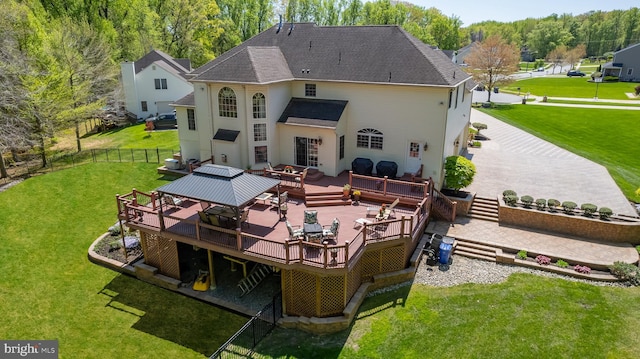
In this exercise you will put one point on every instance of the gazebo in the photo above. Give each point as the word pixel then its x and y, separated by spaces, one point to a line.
pixel 224 185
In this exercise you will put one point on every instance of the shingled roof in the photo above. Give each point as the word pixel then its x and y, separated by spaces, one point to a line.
pixel 178 66
pixel 372 54
pixel 312 112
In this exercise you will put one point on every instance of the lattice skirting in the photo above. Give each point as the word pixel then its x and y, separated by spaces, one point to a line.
pixel 162 253
pixel 309 294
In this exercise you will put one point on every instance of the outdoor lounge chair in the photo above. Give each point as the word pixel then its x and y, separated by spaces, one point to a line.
pixel 294 233
pixel 387 212
pixel 331 232
pixel 170 200
pixel 282 199
pixel 204 218
pixel 310 217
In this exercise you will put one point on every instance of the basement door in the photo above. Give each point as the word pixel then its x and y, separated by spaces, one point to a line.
pixel 306 152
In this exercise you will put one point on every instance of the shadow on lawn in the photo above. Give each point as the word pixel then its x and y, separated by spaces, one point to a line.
pixel 171 316
pixel 290 343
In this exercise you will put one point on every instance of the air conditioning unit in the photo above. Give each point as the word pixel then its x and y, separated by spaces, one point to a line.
pixel 172 164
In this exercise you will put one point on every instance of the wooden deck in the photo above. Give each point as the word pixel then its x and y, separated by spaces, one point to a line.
pixel 264 237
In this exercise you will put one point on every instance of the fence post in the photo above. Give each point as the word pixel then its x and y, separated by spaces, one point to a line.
pixel 119 156
pixel 158 154
pixel 93 155
pixel 106 151
pixel 132 158
pixel 146 155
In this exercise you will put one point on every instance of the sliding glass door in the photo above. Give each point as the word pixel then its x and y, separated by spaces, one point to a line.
pixel 306 151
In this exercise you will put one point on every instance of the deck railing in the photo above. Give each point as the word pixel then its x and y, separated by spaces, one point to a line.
pixel 287 252
pixel 443 206
pixel 388 187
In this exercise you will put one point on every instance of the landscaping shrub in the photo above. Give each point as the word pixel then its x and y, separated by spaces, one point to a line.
pixel 115 230
pixel 562 264
pixel 511 200
pixel 568 207
pixel 479 126
pixel 637 90
pixel 582 269
pixel 522 254
pixel 605 212
pixel 527 201
pixel 627 272
pixel 588 209
pixel 477 144
pixel 541 203
pixel 553 204
pixel 544 260
pixel 508 192
pixel 459 172
pixel 638 249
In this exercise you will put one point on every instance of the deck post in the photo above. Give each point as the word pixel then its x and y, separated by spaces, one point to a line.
pixel 286 252
pixel 402 226
pixel 118 203
pixel 301 250
pixel 346 254
pixel 351 178
pixel 239 239
pixel 384 188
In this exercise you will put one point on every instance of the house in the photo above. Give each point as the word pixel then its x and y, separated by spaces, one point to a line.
pixel 322 96
pixel 153 82
pixel 625 64
pixel 309 97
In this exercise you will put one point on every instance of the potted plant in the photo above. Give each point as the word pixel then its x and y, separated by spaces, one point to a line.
pixel 283 210
pixel 356 195
pixel 346 189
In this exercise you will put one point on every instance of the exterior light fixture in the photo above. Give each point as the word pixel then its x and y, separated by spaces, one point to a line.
pixel 426 146
pixel 320 141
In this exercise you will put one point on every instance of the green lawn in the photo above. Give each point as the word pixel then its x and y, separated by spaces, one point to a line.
pixel 576 87
pixel 598 103
pixel 525 317
pixel 124 137
pixel 608 137
pixel 49 289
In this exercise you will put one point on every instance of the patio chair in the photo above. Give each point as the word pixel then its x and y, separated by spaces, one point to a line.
pixel 331 232
pixel 310 217
pixel 294 233
pixel 387 211
pixel 214 220
pixel 302 175
pixel 170 200
pixel 205 205
pixel 275 175
pixel 244 216
pixel 282 199
pixel 204 218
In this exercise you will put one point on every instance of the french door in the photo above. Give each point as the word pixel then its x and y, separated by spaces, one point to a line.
pixel 306 151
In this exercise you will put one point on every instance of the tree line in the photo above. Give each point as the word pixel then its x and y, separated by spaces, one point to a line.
pixel 59 58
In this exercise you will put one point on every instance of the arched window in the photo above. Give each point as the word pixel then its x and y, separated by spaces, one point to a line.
pixel 369 138
pixel 227 103
pixel 259 106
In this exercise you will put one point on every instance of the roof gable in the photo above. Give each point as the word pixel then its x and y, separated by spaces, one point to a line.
pixel 371 54
pixel 178 66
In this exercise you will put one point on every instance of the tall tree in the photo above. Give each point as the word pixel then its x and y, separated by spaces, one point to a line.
pixel 84 58
pixel 492 61
pixel 548 35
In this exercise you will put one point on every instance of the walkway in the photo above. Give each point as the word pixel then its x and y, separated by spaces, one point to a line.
pixel 571 249
pixel 514 159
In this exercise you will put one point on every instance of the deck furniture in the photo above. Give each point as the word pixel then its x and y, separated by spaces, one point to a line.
pixel 295 232
pixel 302 175
pixel 282 199
pixel 312 232
pixel 331 231
pixel 361 222
pixel 264 197
pixel 310 217
pixel 170 200
pixel 244 216
pixel 387 211
pixel 203 217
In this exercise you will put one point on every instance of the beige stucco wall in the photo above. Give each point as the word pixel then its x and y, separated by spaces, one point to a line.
pixel 402 113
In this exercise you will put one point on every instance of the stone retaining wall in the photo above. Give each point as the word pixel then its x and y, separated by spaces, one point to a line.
pixel 617 229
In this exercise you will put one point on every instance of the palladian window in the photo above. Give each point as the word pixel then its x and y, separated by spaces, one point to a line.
pixel 369 138
pixel 227 103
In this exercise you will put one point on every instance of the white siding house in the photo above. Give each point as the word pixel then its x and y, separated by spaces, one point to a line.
pixel 320 97
pixel 153 82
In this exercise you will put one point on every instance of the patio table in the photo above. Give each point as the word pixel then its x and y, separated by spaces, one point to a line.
pixel 312 231
pixel 264 197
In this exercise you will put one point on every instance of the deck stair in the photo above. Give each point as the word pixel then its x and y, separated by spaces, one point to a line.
pixel 484 208
pixel 258 273
pixel 474 249
pixel 331 198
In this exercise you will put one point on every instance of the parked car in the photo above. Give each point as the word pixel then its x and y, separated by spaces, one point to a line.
pixel 540 69
pixel 164 120
pixel 575 73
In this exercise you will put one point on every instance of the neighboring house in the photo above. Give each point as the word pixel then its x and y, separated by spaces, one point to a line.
pixel 625 64
pixel 321 96
pixel 153 82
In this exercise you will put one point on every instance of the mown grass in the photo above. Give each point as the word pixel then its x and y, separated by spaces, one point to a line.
pixel 525 317
pixel 50 290
pixel 606 136
pixel 598 103
pixel 575 87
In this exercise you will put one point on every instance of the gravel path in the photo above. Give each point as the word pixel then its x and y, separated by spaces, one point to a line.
pixel 469 270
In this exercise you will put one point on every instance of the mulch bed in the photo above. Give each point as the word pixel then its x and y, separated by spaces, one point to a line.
pixel 111 247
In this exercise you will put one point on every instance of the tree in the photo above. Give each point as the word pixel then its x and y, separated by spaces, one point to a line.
pixel 459 172
pixel 574 55
pixel 492 61
pixel 548 35
pixel 558 57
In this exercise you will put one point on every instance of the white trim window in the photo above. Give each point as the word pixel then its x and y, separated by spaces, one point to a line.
pixel 161 84
pixel 260 154
pixel 227 103
pixel 310 90
pixel 370 138
pixel 259 106
pixel 260 132
pixel 191 119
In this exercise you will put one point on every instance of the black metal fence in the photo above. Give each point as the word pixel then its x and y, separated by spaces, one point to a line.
pixel 32 165
pixel 244 341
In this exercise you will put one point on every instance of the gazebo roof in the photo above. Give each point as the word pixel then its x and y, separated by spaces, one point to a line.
pixel 224 185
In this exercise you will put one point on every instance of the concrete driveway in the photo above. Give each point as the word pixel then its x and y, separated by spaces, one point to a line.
pixel 513 159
